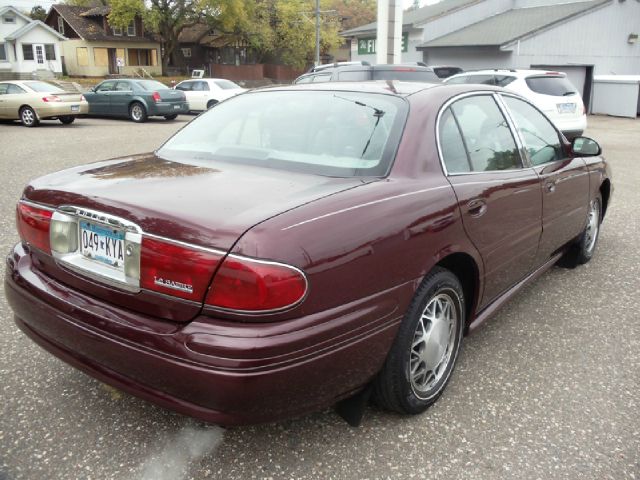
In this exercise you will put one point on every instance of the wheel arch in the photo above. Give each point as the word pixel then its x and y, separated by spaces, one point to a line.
pixel 464 266
pixel 605 192
pixel 32 108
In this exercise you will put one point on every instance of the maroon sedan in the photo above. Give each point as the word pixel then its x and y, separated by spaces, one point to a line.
pixel 295 246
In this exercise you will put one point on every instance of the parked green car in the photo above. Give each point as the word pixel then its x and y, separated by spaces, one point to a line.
pixel 136 99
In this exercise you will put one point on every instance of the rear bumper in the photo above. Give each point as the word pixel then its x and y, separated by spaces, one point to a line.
pixel 223 372
pixel 166 108
pixel 60 109
pixel 571 127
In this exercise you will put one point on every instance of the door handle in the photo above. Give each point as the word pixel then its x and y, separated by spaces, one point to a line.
pixel 551 186
pixel 476 207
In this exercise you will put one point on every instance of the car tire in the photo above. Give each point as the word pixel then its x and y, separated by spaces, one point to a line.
pixel 28 117
pixel 211 103
pixel 137 112
pixel 67 119
pixel 423 355
pixel 171 117
pixel 583 249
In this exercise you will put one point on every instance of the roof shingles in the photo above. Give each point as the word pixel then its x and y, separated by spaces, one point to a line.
pixel 509 26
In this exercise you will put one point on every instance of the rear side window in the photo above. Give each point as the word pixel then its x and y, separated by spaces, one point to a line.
pixel 556 86
pixel 406 75
pixel 324 77
pixel 454 154
pixel 487 136
pixel 123 87
pixel 185 86
pixel 226 84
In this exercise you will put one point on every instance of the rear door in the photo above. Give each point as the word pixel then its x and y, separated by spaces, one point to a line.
pixel 498 194
pixel 120 97
pixel 565 180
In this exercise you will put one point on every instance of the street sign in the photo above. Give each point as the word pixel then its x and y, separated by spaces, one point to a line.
pixel 367 46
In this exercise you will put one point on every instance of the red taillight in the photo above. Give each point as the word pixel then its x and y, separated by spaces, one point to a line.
pixel 254 286
pixel 51 98
pixel 82 99
pixel 156 97
pixel 33 225
pixel 176 270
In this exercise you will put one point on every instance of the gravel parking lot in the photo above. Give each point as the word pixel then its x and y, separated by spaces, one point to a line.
pixel 548 389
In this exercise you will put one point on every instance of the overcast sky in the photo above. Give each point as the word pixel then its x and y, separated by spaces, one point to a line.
pixel 26 5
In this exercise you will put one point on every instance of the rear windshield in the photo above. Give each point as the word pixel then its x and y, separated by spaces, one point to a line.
pixel 407 75
pixel 556 86
pixel 227 84
pixel 150 85
pixel 446 72
pixel 342 134
pixel 43 87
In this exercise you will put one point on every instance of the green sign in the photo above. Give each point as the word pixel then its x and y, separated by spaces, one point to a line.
pixel 367 46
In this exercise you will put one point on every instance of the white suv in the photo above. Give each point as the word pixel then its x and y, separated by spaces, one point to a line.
pixel 551 92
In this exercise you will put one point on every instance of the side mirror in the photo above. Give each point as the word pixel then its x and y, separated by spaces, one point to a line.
pixel 585 147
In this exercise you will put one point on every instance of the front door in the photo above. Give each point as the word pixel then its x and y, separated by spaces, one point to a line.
pixel 565 180
pixel 38 53
pixel 100 98
pixel 499 197
pixel 113 63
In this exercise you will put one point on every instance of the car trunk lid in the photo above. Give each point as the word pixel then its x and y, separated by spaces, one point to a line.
pixel 200 210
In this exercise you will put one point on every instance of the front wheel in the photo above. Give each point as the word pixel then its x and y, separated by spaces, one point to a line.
pixel 583 249
pixel 28 117
pixel 67 119
pixel 171 117
pixel 425 350
pixel 137 112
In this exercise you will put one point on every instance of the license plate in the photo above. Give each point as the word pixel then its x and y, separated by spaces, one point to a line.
pixel 75 108
pixel 176 107
pixel 102 244
pixel 566 107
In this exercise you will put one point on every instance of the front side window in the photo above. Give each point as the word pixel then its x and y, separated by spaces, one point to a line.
pixel 487 136
pixel 3 88
pixel 539 136
pixel 27 51
pixel 106 86
pixel 185 86
pixel 343 134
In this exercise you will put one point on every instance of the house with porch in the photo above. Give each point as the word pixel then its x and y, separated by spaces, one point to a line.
pixel 28 48
pixel 94 48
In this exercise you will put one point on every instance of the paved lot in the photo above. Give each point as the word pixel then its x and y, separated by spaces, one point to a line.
pixel 549 389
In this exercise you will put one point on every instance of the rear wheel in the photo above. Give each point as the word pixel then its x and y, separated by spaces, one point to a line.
pixel 171 117
pixel 28 117
pixel 137 112
pixel 582 251
pixel 211 103
pixel 67 119
pixel 425 350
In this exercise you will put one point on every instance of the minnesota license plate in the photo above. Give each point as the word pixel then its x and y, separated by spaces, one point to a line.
pixel 102 244
pixel 566 107
pixel 176 107
pixel 75 108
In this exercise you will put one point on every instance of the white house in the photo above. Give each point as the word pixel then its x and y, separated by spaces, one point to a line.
pixel 28 48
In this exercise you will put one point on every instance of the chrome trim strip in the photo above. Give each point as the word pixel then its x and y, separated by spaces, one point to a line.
pixel 37 205
pixel 184 244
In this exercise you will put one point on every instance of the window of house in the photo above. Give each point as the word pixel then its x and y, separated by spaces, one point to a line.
pixel 186 52
pixel 60 25
pixel 3 52
pixel 50 51
pixel 120 53
pixel 131 29
pixel 117 31
pixel 100 57
pixel 27 51
pixel 82 56
pixel 143 57
pixel 8 19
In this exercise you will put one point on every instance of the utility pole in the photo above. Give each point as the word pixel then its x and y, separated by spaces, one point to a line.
pixel 317 12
